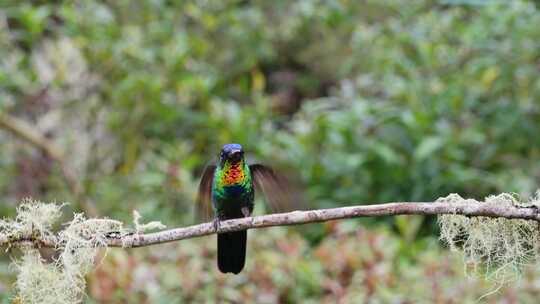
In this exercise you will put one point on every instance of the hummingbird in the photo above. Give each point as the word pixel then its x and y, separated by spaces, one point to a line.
pixel 229 187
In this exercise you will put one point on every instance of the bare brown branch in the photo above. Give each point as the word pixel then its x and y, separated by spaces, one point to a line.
pixel 27 132
pixel 508 211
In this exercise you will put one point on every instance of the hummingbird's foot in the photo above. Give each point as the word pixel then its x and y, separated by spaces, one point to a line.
pixel 215 222
pixel 245 211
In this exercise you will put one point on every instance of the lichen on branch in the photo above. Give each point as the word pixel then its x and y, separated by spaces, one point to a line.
pixel 498 236
pixel 498 247
pixel 34 220
pixel 63 280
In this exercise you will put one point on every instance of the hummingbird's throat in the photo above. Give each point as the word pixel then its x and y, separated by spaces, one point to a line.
pixel 234 174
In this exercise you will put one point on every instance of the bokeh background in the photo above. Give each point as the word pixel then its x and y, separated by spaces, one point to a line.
pixel 367 101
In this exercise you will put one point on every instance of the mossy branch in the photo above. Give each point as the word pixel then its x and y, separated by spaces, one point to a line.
pixel 501 233
pixel 467 208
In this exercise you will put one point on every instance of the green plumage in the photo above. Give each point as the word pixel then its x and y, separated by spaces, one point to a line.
pixel 229 188
pixel 232 189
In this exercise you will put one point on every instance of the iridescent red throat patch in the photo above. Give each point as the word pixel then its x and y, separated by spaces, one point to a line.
pixel 234 174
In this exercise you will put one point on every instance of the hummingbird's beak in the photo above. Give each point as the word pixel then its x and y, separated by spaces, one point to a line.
pixel 235 155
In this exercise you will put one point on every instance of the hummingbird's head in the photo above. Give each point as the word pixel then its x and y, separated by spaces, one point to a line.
pixel 231 153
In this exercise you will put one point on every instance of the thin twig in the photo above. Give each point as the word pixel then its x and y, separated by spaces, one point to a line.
pixel 508 211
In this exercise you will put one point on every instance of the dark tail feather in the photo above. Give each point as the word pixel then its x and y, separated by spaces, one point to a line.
pixel 231 251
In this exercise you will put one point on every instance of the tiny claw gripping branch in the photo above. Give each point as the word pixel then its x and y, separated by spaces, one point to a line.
pixel 215 224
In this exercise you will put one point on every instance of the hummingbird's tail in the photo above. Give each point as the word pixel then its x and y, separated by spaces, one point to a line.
pixel 231 247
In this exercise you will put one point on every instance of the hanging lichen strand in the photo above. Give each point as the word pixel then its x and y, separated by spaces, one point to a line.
pixel 63 280
pixel 496 247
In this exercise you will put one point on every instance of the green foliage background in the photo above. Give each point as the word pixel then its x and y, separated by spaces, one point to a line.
pixel 368 101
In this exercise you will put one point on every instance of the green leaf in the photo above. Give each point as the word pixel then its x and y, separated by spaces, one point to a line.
pixel 427 147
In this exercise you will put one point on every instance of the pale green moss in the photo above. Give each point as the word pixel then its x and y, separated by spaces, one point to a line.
pixel 497 247
pixel 62 281
pixel 33 218
pixel 142 227
pixel 47 283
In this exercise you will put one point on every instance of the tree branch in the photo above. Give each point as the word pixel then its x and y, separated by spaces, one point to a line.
pixel 466 208
pixel 27 132
pixel 23 130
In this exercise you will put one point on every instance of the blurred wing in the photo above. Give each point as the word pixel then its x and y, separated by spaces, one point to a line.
pixel 204 197
pixel 280 193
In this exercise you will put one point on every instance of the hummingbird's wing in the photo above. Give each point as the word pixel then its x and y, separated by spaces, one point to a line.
pixel 280 193
pixel 204 198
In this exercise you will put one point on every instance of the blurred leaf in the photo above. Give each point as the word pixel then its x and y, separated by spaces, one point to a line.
pixel 427 147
